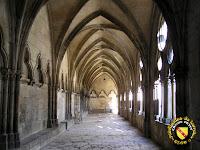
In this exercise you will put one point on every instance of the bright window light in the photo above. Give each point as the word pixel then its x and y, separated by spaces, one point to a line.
pixel 159 63
pixel 162 36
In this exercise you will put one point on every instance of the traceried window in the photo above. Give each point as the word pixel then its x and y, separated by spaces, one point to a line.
pixel 164 104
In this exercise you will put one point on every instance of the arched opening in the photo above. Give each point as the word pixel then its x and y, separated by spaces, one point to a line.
pixel 103 95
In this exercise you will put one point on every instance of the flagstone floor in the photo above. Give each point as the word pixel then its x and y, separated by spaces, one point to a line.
pixel 102 132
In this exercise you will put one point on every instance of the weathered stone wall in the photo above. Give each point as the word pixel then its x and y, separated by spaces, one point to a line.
pixel 103 95
pixel 33 98
pixel 33 109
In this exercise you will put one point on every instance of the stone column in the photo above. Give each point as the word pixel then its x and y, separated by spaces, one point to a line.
pixel 182 96
pixel 166 100
pixel 4 106
pixel 70 106
pixel 122 108
pixel 147 98
pixel 162 100
pixel 133 106
pixel 66 105
pixel 55 113
pixel 16 109
pixel 11 92
pixel 54 104
pixel 49 122
pixel 173 83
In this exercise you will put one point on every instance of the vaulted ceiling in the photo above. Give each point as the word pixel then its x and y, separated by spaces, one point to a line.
pixel 100 36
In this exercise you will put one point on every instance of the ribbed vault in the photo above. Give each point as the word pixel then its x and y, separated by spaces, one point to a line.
pixel 100 37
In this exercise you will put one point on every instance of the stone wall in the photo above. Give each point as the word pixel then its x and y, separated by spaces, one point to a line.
pixel 33 109
pixel 33 97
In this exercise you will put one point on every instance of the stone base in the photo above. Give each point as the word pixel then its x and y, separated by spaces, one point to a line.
pixel 49 123
pixel 17 140
pixel 11 141
pixel 147 127
pixel 68 123
pixel 4 141
pixel 68 116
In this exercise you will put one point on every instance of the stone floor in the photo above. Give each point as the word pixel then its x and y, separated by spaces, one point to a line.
pixel 102 132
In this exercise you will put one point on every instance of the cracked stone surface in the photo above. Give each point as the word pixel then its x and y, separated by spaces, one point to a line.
pixel 102 132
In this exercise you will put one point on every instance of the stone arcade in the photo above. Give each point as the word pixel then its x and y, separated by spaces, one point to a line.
pixel 136 58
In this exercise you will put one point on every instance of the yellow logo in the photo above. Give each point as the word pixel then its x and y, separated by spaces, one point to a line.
pixel 182 130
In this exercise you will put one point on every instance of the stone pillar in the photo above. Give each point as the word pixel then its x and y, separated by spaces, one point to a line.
pixel 66 105
pixel 182 96
pixel 3 113
pixel 147 92
pixel 122 108
pixel 54 104
pixel 165 100
pixel 11 90
pixel 16 109
pixel 133 114
pixel 70 105
pixel 49 122
pixel 173 83
pixel 162 99
pixel 135 109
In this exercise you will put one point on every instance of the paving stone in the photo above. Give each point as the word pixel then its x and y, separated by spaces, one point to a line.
pixel 102 132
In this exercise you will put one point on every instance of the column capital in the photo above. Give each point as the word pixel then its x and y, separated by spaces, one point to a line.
pixel 4 73
pixel 11 73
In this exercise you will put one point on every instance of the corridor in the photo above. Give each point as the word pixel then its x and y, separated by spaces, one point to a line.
pixel 102 131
